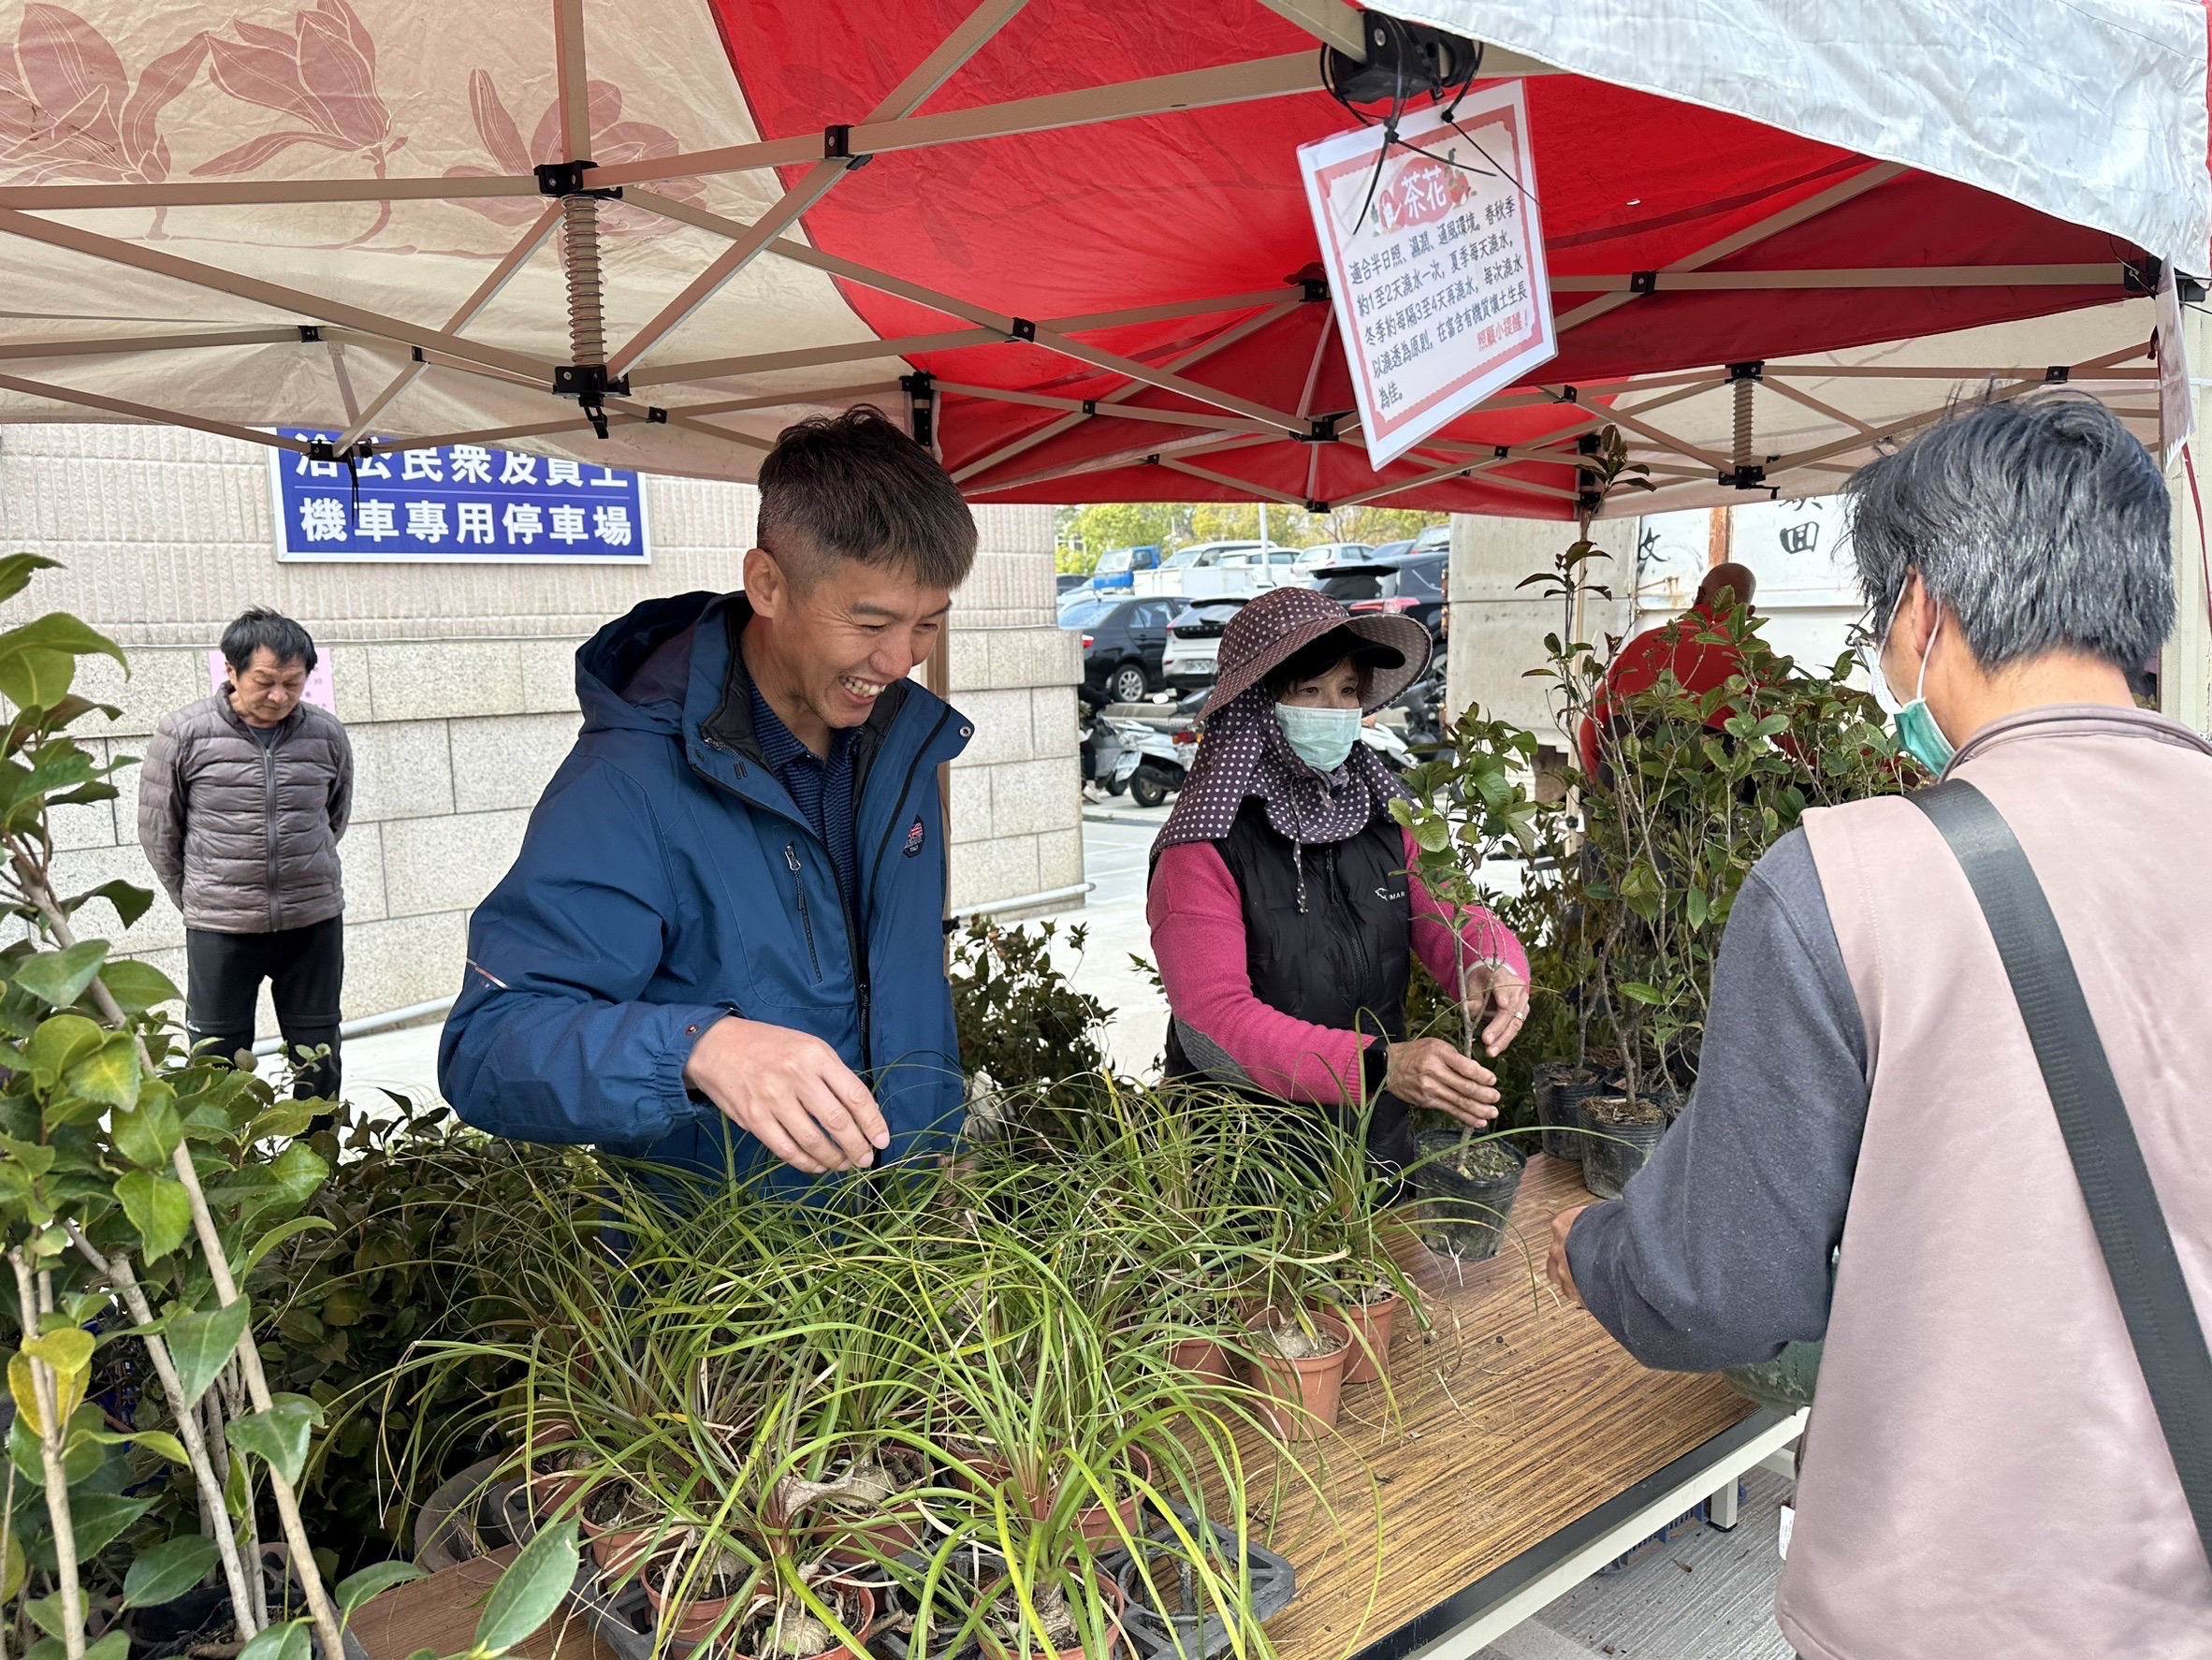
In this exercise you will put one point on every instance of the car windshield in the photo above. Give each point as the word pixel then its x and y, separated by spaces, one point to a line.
pixel 1391 549
pixel 1082 613
pixel 1116 559
pixel 1422 579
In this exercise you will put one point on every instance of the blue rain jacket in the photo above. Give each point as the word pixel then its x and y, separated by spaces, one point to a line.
pixel 667 879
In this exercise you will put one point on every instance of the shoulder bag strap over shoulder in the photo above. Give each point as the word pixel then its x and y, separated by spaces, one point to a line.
pixel 2116 1183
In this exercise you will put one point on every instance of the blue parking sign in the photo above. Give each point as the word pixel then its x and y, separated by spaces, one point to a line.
pixel 455 503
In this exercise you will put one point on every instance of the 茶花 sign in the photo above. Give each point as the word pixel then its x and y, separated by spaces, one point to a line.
pixel 1436 262
pixel 455 503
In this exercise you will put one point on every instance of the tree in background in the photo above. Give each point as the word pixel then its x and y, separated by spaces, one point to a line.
pixel 1081 534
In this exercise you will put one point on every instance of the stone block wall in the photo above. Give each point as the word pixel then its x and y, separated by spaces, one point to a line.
pixel 457 682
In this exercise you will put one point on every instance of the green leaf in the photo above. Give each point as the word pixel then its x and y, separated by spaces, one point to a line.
pixel 373 1580
pixel 46 1613
pixel 66 1352
pixel 149 1134
pixel 168 1571
pixel 299 1170
pixel 276 1236
pixel 278 1437
pixel 157 1441
pixel 529 1590
pixel 110 1074
pixel 60 1041
pixel 116 1645
pixel 286 1118
pixel 136 987
pixel 289 1641
pixel 101 1518
pixel 59 977
pixel 17 569
pixel 201 1345
pixel 1642 993
pixel 158 1208
pixel 13 1568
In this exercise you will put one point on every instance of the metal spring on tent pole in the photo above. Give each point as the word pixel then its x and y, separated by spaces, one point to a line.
pixel 1743 420
pixel 587 328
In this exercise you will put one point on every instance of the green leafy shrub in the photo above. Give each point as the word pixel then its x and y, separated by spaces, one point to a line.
pixel 1020 1018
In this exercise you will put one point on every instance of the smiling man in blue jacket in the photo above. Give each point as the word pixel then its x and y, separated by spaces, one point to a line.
pixel 721 943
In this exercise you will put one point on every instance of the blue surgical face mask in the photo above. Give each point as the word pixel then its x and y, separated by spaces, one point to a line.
pixel 1319 738
pixel 1917 728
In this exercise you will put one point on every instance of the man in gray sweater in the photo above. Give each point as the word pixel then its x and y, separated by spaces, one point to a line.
pixel 1872 1155
pixel 243 798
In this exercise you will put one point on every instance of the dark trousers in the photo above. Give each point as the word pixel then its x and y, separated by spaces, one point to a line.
pixel 305 968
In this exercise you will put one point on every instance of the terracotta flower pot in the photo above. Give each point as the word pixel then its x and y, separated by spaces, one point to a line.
pixel 1370 1325
pixel 994 1649
pixel 1096 1521
pixel 621 1549
pixel 1302 1394
pixel 693 1620
pixel 1203 1357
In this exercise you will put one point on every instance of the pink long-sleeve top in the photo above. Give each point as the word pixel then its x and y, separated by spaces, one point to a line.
pixel 1197 938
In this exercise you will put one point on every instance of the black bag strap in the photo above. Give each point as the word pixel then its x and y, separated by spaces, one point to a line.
pixel 2107 1160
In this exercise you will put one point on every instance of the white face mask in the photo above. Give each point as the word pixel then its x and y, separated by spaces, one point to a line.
pixel 1319 738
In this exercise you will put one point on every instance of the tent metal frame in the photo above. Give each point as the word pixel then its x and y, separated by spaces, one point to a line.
pixel 1223 422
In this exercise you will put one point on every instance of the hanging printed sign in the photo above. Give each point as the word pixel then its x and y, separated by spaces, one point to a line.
pixel 455 503
pixel 1436 262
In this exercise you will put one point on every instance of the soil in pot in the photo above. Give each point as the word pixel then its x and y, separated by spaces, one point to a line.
pixel 1006 1634
pixel 866 1494
pixel 1562 1139
pixel 785 1628
pixel 199 1617
pixel 1468 1186
pixel 1301 1373
pixel 1622 1133
pixel 1370 1318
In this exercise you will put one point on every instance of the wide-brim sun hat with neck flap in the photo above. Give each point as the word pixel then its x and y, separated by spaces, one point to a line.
pixel 1284 622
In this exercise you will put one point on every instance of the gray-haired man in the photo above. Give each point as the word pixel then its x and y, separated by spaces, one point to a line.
pixel 244 797
pixel 1984 1474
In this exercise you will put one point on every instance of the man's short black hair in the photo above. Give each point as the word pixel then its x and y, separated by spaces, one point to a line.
pixel 286 640
pixel 854 486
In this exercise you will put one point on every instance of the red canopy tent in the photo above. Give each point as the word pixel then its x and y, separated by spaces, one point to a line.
pixel 1071 233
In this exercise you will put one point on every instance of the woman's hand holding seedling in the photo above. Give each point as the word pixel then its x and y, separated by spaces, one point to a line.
pixel 1430 1072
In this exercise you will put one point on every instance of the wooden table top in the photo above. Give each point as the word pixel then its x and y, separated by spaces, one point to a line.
pixel 1513 1418
pixel 1517 1415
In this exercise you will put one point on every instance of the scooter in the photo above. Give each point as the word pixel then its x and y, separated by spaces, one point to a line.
pixel 1152 765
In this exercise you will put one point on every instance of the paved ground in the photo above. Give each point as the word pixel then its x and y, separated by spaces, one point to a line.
pixel 1707 1596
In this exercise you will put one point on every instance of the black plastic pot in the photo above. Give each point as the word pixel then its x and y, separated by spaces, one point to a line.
pixel 1560 1123
pixel 1161 1635
pixel 1613 1150
pixel 1465 1217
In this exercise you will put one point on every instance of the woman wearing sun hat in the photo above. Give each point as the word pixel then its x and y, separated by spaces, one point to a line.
pixel 1283 919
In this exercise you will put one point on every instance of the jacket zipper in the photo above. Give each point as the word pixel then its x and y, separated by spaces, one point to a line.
pixel 798 882
pixel 855 936
pixel 268 814
pixel 898 807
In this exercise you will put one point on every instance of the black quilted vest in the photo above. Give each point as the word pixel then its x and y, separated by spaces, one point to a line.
pixel 1343 962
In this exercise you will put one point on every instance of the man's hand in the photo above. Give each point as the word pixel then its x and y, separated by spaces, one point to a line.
pixel 1430 1072
pixel 790 1092
pixel 1562 1276
pixel 1499 986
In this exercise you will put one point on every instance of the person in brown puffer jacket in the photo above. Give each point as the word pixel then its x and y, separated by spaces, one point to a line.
pixel 240 806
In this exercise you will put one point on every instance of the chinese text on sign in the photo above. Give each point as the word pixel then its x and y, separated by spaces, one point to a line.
pixel 458 503
pixel 1436 263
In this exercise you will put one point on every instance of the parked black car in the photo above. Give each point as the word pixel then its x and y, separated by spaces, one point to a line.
pixel 1121 644
pixel 1064 580
pixel 1411 583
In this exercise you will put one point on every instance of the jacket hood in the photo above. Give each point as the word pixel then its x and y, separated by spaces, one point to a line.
pixel 610 659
